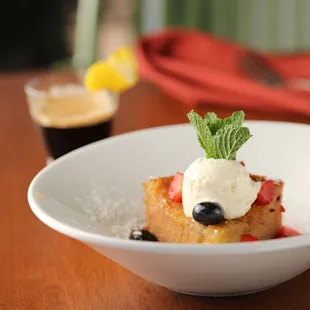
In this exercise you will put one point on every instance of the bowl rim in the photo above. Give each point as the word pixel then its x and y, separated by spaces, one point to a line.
pixel 157 247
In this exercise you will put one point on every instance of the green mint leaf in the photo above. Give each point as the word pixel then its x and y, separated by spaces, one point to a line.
pixel 214 127
pixel 215 124
pixel 211 117
pixel 228 141
pixel 203 132
pixel 220 138
pixel 235 119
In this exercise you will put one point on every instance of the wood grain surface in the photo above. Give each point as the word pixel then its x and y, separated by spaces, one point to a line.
pixel 41 269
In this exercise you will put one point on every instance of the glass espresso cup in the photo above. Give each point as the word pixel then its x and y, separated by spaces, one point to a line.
pixel 66 114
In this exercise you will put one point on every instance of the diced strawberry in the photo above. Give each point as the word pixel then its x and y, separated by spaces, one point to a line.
pixel 282 209
pixel 175 188
pixel 242 163
pixel 266 194
pixel 248 238
pixel 287 232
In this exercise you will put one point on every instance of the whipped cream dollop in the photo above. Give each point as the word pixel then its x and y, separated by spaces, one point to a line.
pixel 225 182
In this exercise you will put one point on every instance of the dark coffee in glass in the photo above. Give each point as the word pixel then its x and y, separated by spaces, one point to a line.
pixel 67 115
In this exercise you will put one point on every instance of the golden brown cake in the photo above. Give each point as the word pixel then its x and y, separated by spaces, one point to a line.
pixel 166 219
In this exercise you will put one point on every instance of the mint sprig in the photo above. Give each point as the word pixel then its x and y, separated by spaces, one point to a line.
pixel 220 138
pixel 204 133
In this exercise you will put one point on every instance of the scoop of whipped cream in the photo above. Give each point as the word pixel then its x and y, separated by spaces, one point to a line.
pixel 219 180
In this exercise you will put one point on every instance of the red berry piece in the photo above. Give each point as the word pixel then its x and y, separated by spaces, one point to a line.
pixel 266 194
pixel 287 232
pixel 248 238
pixel 282 209
pixel 175 188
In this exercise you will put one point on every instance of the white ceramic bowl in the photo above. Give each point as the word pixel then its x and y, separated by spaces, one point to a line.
pixel 94 195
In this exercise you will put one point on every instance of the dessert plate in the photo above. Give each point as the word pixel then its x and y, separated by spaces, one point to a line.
pixel 94 195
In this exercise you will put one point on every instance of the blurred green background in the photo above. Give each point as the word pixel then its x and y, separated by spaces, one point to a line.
pixel 39 34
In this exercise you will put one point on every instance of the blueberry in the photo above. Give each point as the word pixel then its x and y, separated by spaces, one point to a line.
pixel 208 213
pixel 142 235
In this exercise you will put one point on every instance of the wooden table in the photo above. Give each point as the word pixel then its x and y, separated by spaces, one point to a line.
pixel 41 269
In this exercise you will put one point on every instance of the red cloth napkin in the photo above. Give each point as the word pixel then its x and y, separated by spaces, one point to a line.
pixel 195 68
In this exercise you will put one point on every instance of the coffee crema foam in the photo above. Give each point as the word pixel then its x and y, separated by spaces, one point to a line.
pixel 68 106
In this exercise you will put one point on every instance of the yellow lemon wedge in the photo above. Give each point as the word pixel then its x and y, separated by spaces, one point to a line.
pixel 124 54
pixel 118 73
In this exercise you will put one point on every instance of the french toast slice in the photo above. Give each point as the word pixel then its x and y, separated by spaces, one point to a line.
pixel 166 220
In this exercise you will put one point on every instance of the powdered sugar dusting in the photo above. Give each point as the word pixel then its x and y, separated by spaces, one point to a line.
pixel 113 211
